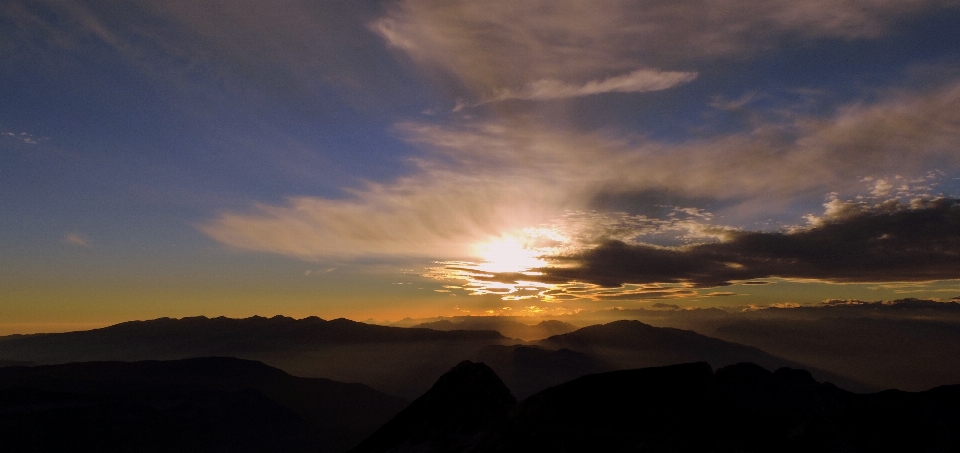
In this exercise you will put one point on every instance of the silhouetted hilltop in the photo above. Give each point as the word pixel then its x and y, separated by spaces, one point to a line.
pixel 467 400
pixel 203 404
pixel 679 408
pixel 671 344
pixel 633 344
pixel 506 326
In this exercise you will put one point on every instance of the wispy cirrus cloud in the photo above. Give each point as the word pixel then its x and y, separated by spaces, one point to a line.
pixel 23 137
pixel 545 45
pixel 77 239
pixel 286 47
pixel 639 81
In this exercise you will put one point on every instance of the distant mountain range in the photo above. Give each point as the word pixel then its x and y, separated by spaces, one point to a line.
pixel 393 359
pixel 205 404
pixel 390 359
pixel 909 344
pixel 528 369
pixel 910 354
pixel 633 344
pixel 677 408
pixel 506 326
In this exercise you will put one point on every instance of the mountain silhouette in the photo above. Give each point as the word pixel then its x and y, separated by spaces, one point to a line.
pixel 678 408
pixel 203 404
pixel 925 349
pixel 507 326
pixel 6 363
pixel 908 344
pixel 633 344
pixel 393 359
pixel 529 369
pixel 467 400
pixel 390 359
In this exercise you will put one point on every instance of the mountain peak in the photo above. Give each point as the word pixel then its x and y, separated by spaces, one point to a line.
pixel 466 401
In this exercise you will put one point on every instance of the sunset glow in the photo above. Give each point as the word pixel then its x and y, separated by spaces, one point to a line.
pixel 507 255
pixel 395 157
pixel 474 209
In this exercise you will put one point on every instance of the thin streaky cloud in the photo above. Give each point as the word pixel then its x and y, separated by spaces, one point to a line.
pixel 639 81
pixel 77 239
pixel 504 43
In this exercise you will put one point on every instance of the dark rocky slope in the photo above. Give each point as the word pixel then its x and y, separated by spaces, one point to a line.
pixel 678 408
pixel 206 404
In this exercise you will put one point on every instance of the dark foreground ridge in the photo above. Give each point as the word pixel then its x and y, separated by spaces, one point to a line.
pixel 469 399
pixel 678 408
pixel 212 404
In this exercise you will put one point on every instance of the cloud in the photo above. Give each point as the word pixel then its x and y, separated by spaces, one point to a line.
pixel 24 137
pixel 887 242
pixel 635 82
pixel 439 216
pixel 286 48
pixel 646 294
pixel 504 43
pixel 77 239
pixel 477 181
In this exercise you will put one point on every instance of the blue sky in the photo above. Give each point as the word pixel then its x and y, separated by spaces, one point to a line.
pixel 384 159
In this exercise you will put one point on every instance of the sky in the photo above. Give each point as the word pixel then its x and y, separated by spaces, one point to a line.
pixel 415 158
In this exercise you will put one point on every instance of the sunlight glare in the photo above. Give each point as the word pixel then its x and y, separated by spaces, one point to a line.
pixel 507 254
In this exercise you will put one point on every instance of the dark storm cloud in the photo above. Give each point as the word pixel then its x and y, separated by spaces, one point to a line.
pixel 891 242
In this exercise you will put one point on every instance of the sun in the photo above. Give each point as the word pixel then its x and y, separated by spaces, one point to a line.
pixel 507 254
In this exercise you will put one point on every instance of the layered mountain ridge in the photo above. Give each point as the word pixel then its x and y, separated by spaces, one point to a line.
pixel 393 359
pixel 678 408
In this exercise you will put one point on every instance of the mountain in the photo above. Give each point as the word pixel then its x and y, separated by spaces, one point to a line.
pixel 909 354
pixel 508 327
pixel 5 363
pixel 390 359
pixel 467 400
pixel 202 404
pixel 909 344
pixel 633 344
pixel 529 369
pixel 678 408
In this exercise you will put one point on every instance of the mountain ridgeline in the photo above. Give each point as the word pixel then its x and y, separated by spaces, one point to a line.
pixel 218 385
pixel 390 359
pixel 505 325
pixel 677 408
pixel 394 360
